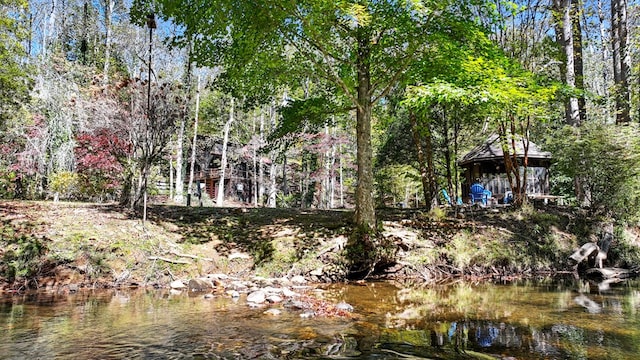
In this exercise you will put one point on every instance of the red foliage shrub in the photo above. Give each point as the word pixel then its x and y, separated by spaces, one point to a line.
pixel 99 158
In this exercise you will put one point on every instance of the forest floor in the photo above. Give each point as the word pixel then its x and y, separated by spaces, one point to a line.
pixel 69 245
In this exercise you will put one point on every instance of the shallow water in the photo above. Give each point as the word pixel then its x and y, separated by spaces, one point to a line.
pixel 526 320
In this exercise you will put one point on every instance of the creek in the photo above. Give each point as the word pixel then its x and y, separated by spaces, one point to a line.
pixel 550 319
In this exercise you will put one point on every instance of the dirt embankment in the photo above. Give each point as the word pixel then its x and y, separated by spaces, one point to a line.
pixel 69 245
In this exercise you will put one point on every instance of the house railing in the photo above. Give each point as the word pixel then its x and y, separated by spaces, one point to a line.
pixel 207 174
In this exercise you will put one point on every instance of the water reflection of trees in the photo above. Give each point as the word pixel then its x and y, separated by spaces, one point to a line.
pixel 523 322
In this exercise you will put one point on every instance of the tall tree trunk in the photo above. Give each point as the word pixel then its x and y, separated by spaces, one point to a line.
pixel 255 163
pixel 456 135
pixel 261 187
pixel 194 145
pixel 447 155
pixel 510 167
pixel 326 187
pixel 223 161
pixel 179 182
pixel 578 60
pixel 620 60
pixel 604 45
pixel 171 178
pixel 273 187
pixel 417 140
pixel 48 29
pixel 341 177
pixel 432 200
pixel 564 30
pixel 179 194
pixel 108 16
pixel 332 164
pixel 365 214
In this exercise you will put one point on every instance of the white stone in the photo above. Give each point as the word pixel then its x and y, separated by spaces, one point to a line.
pixel 300 280
pixel 273 312
pixel 288 293
pixel 218 276
pixel 177 284
pixel 308 314
pixel 238 255
pixel 257 297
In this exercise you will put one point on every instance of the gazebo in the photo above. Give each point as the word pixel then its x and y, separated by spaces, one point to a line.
pixel 486 164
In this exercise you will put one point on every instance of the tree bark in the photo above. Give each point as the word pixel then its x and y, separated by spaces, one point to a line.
pixel 431 201
pixel 447 157
pixel 417 141
pixel 223 161
pixel 578 60
pixel 273 188
pixel 194 145
pixel 261 188
pixel 619 35
pixel 179 193
pixel 365 215
pixel 564 30
pixel 108 15
pixel 604 44
pixel 254 157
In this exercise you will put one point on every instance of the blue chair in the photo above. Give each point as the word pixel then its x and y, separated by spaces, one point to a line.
pixel 447 198
pixel 478 193
pixel 508 197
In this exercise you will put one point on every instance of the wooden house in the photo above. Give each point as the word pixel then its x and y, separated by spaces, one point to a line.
pixel 207 170
pixel 486 164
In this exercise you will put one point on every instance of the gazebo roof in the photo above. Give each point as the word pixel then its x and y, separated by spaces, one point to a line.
pixel 492 150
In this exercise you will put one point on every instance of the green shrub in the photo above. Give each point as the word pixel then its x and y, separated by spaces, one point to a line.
pixel 64 183
pixel 604 159
pixel 22 258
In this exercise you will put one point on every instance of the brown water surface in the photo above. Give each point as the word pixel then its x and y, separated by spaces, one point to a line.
pixel 551 319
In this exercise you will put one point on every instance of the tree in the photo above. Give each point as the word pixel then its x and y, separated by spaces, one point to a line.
pixel 363 48
pixel 15 83
pixel 147 129
pixel 99 163
pixel 620 60
pixel 223 161
pixel 566 15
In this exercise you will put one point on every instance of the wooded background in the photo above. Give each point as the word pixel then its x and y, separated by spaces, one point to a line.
pixel 331 104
